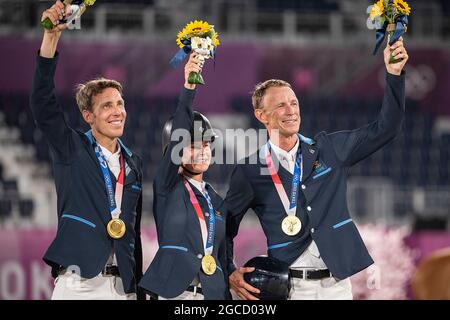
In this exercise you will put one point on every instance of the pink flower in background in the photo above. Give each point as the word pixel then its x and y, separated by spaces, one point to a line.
pixel 394 264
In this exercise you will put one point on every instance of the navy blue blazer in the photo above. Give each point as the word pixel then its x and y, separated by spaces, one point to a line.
pixel 83 211
pixel 322 202
pixel 181 248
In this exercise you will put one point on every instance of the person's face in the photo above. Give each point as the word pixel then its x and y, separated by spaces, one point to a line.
pixel 280 110
pixel 108 113
pixel 197 156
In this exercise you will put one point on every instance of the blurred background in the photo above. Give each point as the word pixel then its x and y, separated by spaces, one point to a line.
pixel 400 196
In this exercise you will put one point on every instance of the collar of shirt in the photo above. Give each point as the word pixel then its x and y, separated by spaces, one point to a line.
pixel 286 158
pixel 199 185
pixel 113 159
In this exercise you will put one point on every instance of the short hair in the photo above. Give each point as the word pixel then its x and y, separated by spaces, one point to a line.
pixel 260 90
pixel 86 91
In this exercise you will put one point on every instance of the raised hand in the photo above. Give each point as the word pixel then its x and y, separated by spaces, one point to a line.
pixel 55 13
pixel 51 37
pixel 398 52
pixel 194 64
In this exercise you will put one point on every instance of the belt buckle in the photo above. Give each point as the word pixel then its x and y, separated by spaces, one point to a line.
pixel 305 273
pixel 195 289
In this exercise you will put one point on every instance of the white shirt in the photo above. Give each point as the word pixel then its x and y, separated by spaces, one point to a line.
pixel 286 158
pixel 310 258
pixel 199 185
pixel 113 160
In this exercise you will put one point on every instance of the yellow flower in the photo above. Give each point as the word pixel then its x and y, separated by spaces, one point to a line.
pixel 402 6
pixel 215 39
pixel 377 10
pixel 180 37
pixel 197 29
pixel 89 2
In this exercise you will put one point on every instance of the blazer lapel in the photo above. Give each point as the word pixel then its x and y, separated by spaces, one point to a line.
pixel 286 179
pixel 133 175
pixel 215 198
pixel 106 215
pixel 309 154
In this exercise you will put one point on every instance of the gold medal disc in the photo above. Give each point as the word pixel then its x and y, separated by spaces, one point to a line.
pixel 116 228
pixel 291 225
pixel 209 264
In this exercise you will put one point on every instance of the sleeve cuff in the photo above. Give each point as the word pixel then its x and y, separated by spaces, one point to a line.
pixel 231 268
pixel 393 77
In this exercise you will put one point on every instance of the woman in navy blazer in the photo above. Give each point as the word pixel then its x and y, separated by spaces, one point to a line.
pixel 190 262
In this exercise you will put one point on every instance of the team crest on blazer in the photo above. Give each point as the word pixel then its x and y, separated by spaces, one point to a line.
pixel 316 165
pixel 319 166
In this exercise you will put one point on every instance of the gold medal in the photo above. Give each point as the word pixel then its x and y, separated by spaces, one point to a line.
pixel 116 228
pixel 291 225
pixel 209 264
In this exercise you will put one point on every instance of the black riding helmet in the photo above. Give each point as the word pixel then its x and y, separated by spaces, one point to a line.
pixel 200 131
pixel 271 276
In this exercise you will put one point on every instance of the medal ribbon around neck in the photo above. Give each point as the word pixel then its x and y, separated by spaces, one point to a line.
pixel 207 235
pixel 289 204
pixel 114 198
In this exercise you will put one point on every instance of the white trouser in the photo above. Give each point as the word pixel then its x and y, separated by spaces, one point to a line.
pixel 70 286
pixel 324 289
pixel 186 295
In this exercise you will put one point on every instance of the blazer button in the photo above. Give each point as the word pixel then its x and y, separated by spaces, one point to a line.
pixel 308 208
pixel 199 256
pixel 303 187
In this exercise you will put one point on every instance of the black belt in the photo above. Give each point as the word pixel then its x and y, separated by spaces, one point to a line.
pixel 310 274
pixel 107 271
pixel 195 289
pixel 111 271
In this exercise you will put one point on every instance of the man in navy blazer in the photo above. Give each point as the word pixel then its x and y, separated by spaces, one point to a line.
pixel 97 250
pixel 301 203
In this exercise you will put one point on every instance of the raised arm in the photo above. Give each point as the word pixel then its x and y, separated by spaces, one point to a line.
pixel 167 173
pixel 354 145
pixel 47 114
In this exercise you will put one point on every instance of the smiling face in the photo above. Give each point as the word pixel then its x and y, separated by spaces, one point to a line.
pixel 197 157
pixel 279 109
pixel 107 115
